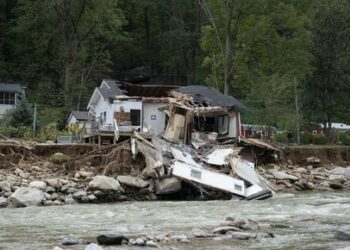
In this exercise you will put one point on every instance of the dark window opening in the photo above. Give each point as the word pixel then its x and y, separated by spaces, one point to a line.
pixel 205 124
pixel 7 98
pixel 135 117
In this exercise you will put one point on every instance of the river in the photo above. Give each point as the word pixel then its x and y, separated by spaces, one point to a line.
pixel 313 217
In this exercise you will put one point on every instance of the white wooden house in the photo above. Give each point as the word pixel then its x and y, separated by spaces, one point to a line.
pixel 10 94
pixel 122 108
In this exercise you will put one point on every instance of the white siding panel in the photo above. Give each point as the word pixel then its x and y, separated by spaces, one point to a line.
pixel 153 119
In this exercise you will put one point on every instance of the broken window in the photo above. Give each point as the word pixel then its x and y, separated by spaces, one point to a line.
pixel 204 124
pixel 223 122
pixel 135 117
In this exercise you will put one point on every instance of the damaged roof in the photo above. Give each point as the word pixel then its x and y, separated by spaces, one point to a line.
pixel 209 95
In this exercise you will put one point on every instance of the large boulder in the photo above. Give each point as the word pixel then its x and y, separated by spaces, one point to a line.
pixel 284 176
pixel 54 182
pixel 168 185
pixel 101 182
pixel 341 171
pixel 3 202
pixel 342 234
pixel 38 184
pixel 132 181
pixel 5 186
pixel 111 239
pixel 26 196
pixel 313 160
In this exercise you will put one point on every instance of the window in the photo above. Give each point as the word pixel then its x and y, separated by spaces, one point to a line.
pixel 223 125
pixel 135 117
pixel 103 117
pixel 7 98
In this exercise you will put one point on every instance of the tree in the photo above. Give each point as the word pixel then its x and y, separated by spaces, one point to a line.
pixel 65 40
pixel 326 90
pixel 20 116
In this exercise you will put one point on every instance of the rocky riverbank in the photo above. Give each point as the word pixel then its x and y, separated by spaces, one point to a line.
pixel 115 174
pixel 44 183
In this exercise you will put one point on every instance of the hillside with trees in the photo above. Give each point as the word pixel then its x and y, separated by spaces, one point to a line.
pixel 267 53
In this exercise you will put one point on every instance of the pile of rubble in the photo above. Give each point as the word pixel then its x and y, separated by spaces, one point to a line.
pixel 313 175
pixel 134 170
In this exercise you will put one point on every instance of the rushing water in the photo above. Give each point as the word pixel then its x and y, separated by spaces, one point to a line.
pixel 313 217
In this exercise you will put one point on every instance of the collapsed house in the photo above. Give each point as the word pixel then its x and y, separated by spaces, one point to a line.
pixel 199 144
pixel 186 135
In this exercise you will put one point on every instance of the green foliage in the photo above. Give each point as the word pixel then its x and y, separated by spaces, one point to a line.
pixel 281 137
pixel 343 138
pixel 326 90
pixel 22 115
pixel 306 138
pixel 320 139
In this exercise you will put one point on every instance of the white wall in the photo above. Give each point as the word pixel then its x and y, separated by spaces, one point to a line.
pixel 72 119
pixel 157 125
pixel 233 130
pixel 103 105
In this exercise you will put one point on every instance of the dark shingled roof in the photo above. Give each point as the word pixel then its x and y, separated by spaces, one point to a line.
pixel 81 115
pixel 113 89
pixel 11 87
pixel 204 94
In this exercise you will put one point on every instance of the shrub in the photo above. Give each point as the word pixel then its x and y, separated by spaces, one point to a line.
pixel 306 138
pixel 320 139
pixel 281 137
pixel 344 138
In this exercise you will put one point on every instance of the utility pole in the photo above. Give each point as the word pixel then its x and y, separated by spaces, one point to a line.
pixel 34 120
pixel 297 111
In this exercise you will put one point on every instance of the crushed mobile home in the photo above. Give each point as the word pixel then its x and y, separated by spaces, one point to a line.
pixel 185 134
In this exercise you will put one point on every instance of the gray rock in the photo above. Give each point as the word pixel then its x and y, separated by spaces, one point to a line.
pixel 342 234
pixel 181 237
pixel 69 242
pixel 58 203
pixel 225 229
pixel 284 176
pixel 56 183
pixel 79 194
pixel 69 200
pixel 101 182
pixel 5 186
pixel 279 226
pixel 26 196
pixel 151 243
pixel 139 242
pixel 85 174
pixel 132 181
pixel 198 233
pixel 111 239
pixel 313 160
pixel 308 185
pixel 241 235
pixel 50 190
pixel 336 177
pixel 41 185
pixel 48 203
pixel 92 197
pixel 265 235
pixel 341 171
pixel 93 246
pixel 3 202
pixel 19 172
pixel 250 225
pixel 168 185
pixel 301 170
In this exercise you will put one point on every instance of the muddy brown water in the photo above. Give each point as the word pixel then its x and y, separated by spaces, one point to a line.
pixel 313 217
